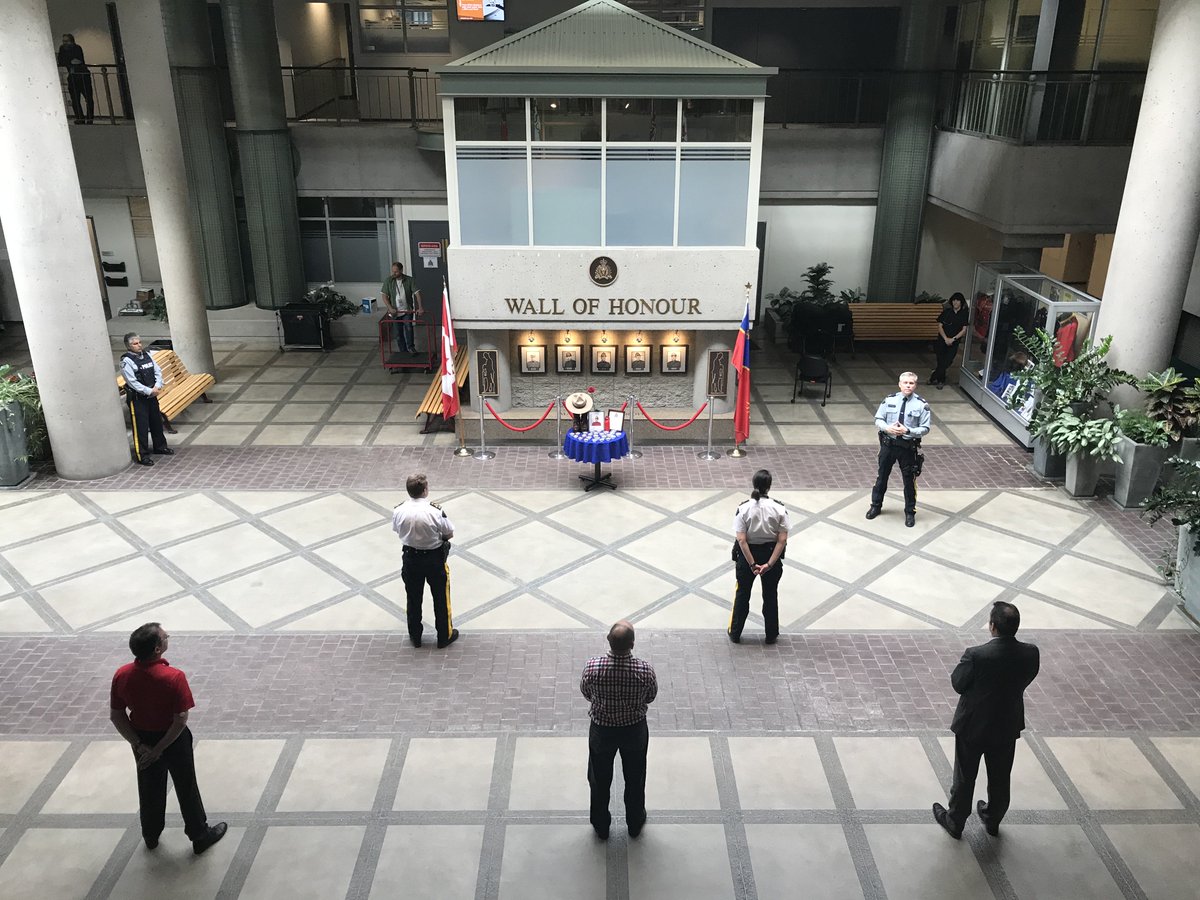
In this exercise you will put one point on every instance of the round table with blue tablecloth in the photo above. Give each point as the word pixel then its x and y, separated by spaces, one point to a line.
pixel 596 447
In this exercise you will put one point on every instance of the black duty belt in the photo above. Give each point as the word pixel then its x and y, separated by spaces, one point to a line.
pixel 421 551
pixel 903 442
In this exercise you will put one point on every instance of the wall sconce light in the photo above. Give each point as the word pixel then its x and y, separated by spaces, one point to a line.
pixel 675 339
pixel 567 338
pixel 639 337
pixel 554 104
pixel 531 337
pixel 604 336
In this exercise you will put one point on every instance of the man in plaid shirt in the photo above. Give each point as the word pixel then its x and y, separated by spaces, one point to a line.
pixel 619 688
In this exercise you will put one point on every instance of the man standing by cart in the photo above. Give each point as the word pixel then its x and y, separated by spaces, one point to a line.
pixel 402 298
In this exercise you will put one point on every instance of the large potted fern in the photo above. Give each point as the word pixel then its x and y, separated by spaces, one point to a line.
pixel 22 426
pixel 1179 502
pixel 1087 443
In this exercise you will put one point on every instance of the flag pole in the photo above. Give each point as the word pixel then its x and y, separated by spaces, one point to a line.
pixel 449 352
pixel 738 451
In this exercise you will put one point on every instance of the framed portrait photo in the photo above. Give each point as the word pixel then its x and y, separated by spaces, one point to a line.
pixel 673 359
pixel 637 360
pixel 568 359
pixel 533 359
pixel 604 359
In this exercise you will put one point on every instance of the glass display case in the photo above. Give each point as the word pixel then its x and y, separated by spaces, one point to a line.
pixel 1006 296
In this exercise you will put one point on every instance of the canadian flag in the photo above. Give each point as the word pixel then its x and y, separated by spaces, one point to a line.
pixel 450 405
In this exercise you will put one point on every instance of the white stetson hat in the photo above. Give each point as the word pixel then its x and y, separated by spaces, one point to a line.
pixel 579 403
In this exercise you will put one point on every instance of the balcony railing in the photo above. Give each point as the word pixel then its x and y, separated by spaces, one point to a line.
pixel 1044 107
pixel 110 93
pixel 338 93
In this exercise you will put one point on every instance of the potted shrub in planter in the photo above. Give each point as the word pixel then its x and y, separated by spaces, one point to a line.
pixel 1170 399
pixel 1142 448
pixel 1061 387
pixel 22 426
pixel 1179 501
pixel 778 316
pixel 1087 443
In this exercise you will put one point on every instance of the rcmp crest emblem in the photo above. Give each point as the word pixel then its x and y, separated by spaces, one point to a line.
pixel 602 271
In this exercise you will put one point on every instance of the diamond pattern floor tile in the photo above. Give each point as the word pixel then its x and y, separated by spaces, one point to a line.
pixel 223 552
pixel 861 613
pixel 684 551
pixel 322 518
pixel 271 592
pixel 531 550
pixel 40 560
pixel 178 518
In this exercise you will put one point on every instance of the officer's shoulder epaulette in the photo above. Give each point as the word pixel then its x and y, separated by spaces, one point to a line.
pixel 919 397
pixel 435 505
pixel 743 503
pixel 780 502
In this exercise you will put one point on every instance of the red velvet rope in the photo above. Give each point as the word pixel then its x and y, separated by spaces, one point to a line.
pixel 649 419
pixel 513 427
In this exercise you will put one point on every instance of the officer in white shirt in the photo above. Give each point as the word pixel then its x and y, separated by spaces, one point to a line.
pixel 760 526
pixel 902 420
pixel 425 531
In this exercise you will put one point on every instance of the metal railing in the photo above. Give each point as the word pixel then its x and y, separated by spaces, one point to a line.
pixel 110 93
pixel 339 93
pixel 822 97
pixel 1092 107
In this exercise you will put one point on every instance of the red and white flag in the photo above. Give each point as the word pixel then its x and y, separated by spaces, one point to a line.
pixel 450 405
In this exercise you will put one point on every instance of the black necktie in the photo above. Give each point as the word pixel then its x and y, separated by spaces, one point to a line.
pixel 900 418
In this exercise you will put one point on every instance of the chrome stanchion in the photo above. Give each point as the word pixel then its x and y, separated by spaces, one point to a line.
pixel 709 452
pixel 483 452
pixel 633 453
pixel 737 452
pixel 557 453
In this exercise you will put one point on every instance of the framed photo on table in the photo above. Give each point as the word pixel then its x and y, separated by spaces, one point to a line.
pixel 616 420
pixel 637 360
pixel 604 359
pixel 533 359
pixel 568 359
pixel 673 359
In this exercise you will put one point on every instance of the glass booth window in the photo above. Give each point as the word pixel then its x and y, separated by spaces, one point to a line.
pixel 1015 309
pixel 405 26
pixel 346 238
pixel 489 119
pixel 493 196
pixel 713 189
pixel 631 119
pixel 566 196
pixel 717 120
pixel 565 118
pixel 640 202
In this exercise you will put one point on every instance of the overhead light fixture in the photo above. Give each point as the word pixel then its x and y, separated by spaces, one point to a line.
pixel 554 104
pixel 626 104
pixel 604 336
pixel 531 337
pixel 639 337
pixel 675 340
pixel 567 338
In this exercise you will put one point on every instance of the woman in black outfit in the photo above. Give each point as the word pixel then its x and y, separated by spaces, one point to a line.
pixel 952 328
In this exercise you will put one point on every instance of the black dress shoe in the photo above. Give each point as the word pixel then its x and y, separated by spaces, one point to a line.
pixel 442 645
pixel 416 641
pixel 169 428
pixel 988 826
pixel 873 511
pixel 165 451
pixel 635 828
pixel 773 639
pixel 942 817
pixel 910 519
pixel 144 461
pixel 736 638
pixel 601 833
pixel 151 843
pixel 214 834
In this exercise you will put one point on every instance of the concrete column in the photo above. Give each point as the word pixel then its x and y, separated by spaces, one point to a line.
pixel 1159 222
pixel 166 181
pixel 904 169
pixel 264 151
pixel 205 152
pixel 53 268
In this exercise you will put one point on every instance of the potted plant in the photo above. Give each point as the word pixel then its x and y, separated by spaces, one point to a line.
pixel 818 315
pixel 1086 442
pixel 1061 386
pixel 1179 501
pixel 22 426
pixel 1170 399
pixel 333 304
pixel 778 317
pixel 1142 448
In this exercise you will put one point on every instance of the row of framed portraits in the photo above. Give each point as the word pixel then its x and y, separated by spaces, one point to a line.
pixel 601 359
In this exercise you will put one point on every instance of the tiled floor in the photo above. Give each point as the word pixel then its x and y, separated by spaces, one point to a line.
pixel 350 765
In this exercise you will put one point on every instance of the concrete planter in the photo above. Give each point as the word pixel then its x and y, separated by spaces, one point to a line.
pixel 14 453
pixel 1137 472
pixel 1046 463
pixel 1187 572
pixel 1082 474
pixel 773 328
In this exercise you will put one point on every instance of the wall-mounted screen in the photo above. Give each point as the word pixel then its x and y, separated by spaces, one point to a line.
pixel 480 10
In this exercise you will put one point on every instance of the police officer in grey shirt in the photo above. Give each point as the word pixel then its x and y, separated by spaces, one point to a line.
pixel 902 420
pixel 760 528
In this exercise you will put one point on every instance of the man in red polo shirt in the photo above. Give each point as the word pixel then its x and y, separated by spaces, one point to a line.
pixel 149 706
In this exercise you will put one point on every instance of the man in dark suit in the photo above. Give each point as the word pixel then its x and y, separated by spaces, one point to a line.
pixel 991 680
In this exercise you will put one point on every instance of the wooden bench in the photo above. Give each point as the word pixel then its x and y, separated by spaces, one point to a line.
pixel 432 404
pixel 895 321
pixel 180 387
